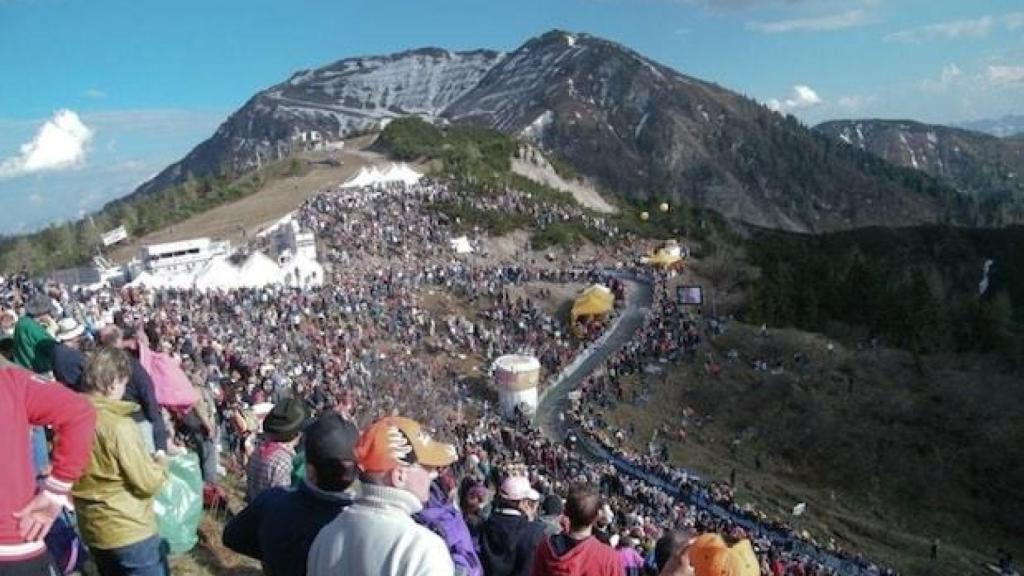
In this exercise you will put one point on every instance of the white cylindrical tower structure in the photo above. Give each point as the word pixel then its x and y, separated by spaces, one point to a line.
pixel 516 377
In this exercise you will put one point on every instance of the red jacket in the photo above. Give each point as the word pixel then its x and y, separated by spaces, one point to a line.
pixel 27 400
pixel 587 558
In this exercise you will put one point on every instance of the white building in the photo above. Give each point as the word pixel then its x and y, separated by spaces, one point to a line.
pixel 516 377
pixel 184 256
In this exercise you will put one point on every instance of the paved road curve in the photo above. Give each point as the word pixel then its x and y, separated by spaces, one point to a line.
pixel 555 400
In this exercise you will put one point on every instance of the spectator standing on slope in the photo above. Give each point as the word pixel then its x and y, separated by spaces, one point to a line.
pixel 445 520
pixel 377 536
pixel 140 391
pixel 114 498
pixel 509 537
pixel 271 462
pixel 27 512
pixel 577 552
pixel 279 526
pixel 33 344
pixel 68 359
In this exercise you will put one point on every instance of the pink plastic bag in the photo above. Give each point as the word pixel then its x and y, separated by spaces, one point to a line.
pixel 173 389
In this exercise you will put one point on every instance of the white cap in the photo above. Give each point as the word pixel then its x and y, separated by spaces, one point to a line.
pixel 516 488
pixel 68 329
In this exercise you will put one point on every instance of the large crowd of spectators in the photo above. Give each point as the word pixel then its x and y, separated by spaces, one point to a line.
pixel 363 490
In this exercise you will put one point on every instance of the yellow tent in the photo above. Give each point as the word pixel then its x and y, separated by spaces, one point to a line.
pixel 663 258
pixel 593 301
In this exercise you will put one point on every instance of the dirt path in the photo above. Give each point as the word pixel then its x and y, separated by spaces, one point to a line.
pixel 256 211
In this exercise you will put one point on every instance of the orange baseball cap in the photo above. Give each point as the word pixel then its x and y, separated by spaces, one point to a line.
pixel 394 440
pixel 710 556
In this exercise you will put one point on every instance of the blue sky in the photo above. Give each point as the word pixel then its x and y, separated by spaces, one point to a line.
pixel 147 81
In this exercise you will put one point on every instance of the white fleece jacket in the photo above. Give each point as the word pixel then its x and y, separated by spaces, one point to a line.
pixel 376 536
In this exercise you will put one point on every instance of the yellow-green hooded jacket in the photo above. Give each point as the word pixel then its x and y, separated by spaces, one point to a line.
pixel 114 498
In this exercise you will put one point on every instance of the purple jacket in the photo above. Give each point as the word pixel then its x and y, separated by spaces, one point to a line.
pixel 447 522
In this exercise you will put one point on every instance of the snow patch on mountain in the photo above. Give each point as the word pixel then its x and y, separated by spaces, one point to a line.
pixel 640 125
pixel 535 130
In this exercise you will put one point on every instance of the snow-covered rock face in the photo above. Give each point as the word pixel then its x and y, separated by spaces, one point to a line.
pixel 362 90
pixel 332 102
pixel 508 94
pixel 974 163
pixel 362 93
pixel 558 69
pixel 634 126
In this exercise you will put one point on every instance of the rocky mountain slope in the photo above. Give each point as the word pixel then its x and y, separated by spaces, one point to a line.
pixel 348 96
pixel 1008 125
pixel 988 169
pixel 640 129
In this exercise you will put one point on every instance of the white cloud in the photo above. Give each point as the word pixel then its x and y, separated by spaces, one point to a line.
pixel 949 75
pixel 36 199
pixel 956 29
pixel 850 19
pixel 147 141
pixel 59 144
pixel 95 94
pixel 803 97
pixel 855 102
pixel 1005 75
pixel 1014 21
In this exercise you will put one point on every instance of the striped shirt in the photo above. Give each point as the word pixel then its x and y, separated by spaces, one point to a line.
pixel 270 466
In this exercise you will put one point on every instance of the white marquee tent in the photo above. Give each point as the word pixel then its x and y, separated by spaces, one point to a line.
pixel 259 270
pixel 219 273
pixel 374 176
pixel 302 273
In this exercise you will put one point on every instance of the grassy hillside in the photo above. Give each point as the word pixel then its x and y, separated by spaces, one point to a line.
pixel 910 430
pixel 916 288
pixel 886 458
pixel 478 159
pixel 73 243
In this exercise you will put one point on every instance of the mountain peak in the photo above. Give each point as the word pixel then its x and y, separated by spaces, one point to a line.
pixel 637 127
pixel 980 166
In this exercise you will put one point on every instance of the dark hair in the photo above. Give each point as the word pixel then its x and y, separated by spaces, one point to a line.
pixel 465 486
pixel 669 544
pixel 582 506
pixel 552 505
pixel 153 335
pixel 334 475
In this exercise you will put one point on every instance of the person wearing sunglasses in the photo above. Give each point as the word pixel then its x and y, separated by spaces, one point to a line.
pixel 377 536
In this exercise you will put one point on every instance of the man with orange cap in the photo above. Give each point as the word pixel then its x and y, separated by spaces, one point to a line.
pixel 376 536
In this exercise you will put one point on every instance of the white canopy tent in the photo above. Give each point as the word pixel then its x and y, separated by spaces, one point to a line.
pixel 259 270
pixel 374 176
pixel 461 245
pixel 302 273
pixel 218 274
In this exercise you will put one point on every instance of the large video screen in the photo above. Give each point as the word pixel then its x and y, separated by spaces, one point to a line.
pixel 690 295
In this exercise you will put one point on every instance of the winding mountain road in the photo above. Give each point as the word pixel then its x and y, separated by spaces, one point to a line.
pixel 554 401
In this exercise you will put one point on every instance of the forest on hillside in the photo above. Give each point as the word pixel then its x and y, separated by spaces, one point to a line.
pixel 916 288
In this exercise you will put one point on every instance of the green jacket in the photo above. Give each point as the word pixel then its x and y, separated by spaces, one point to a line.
pixel 114 498
pixel 33 346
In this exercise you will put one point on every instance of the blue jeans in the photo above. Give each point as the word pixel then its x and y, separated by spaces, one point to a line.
pixel 209 459
pixel 146 558
pixel 40 451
